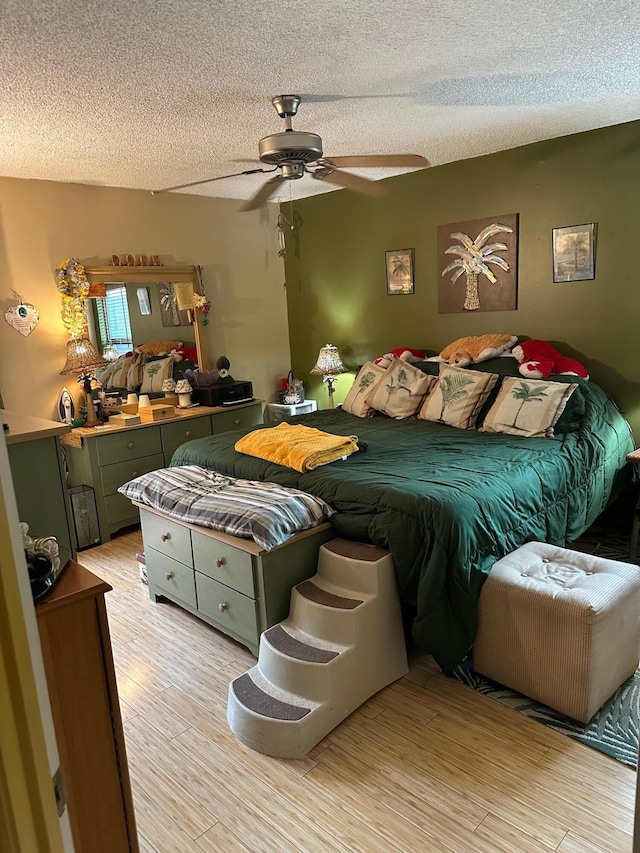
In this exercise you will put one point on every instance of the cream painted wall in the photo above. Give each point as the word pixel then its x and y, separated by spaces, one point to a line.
pixel 42 223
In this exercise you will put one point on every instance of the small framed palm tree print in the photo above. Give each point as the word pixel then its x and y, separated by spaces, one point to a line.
pixel 574 252
pixel 399 272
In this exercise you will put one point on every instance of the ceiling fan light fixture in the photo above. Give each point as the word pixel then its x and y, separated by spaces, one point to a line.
pixel 292 146
pixel 292 171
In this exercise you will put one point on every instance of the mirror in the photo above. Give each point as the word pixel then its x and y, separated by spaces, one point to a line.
pixel 163 319
pixel 144 302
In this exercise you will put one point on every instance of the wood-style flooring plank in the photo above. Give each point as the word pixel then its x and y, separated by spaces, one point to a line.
pixel 156 826
pixel 144 845
pixel 219 839
pixel 573 844
pixel 162 784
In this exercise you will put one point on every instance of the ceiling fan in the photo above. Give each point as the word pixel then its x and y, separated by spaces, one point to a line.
pixel 294 153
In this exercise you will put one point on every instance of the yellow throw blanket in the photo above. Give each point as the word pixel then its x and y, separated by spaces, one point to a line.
pixel 296 446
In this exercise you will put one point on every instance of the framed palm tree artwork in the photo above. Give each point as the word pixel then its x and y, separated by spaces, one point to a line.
pixel 574 252
pixel 170 313
pixel 399 272
pixel 478 265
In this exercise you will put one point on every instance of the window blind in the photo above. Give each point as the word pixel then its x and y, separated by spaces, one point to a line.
pixel 113 319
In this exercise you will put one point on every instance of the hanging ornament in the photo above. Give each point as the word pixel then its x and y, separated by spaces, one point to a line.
pixel 282 224
pixel 22 317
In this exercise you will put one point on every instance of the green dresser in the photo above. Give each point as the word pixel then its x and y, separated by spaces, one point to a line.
pixel 230 583
pixel 37 470
pixel 105 458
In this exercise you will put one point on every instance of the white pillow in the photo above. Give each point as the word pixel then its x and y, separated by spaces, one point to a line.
pixel 400 391
pixel 457 396
pixel 528 407
pixel 356 400
pixel 103 374
pixel 118 378
pixel 154 374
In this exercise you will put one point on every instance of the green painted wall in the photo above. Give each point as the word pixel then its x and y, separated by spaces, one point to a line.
pixel 335 264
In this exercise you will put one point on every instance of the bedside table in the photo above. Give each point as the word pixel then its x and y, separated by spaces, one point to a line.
pixel 279 411
pixel 634 457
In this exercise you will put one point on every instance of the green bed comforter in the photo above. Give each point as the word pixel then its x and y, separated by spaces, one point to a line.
pixel 446 502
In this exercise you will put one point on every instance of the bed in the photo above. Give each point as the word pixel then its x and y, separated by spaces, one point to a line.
pixel 448 502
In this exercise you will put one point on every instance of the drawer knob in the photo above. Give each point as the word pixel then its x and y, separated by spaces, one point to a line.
pixel 169 575
pixel 135 473
pixel 237 422
pixel 222 607
pixel 165 537
pixel 188 433
pixel 131 445
pixel 220 562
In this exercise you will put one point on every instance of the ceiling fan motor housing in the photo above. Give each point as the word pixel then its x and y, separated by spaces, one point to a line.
pixel 292 146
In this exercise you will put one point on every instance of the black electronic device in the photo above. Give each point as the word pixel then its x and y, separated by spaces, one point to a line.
pixel 223 394
pixel 41 574
pixel 43 561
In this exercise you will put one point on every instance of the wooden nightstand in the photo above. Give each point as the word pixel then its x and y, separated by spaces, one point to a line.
pixel 634 457
pixel 277 412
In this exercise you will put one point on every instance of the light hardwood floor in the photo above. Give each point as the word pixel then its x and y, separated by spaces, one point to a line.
pixel 425 765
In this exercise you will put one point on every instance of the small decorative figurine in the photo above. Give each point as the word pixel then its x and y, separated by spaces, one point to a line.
pixel 222 366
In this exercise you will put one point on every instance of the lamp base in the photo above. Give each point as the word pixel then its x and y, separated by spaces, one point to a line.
pixel 92 417
pixel 330 381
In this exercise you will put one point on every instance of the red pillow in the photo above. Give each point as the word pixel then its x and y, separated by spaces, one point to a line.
pixel 189 353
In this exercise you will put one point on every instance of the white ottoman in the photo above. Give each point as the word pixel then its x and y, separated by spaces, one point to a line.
pixel 560 626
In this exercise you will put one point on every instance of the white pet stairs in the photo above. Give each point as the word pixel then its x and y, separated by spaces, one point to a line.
pixel 342 642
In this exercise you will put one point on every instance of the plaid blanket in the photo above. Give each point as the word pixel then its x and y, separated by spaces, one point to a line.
pixel 265 512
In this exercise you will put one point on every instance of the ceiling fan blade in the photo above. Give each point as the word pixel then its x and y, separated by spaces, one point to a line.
pixel 351 182
pixel 265 192
pixel 377 160
pixel 208 180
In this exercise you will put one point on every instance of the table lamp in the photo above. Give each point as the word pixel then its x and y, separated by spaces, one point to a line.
pixel 183 390
pixel 169 387
pixel 82 359
pixel 329 365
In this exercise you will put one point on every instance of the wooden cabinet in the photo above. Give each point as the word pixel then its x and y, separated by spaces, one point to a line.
pixel 229 582
pixel 37 470
pixel 105 458
pixel 76 649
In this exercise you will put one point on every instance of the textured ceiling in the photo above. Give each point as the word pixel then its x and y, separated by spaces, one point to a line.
pixel 153 93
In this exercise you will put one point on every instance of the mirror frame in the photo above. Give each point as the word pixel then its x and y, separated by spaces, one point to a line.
pixel 153 275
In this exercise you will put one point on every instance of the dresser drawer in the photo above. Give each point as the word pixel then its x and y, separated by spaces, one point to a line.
pixel 223 563
pixel 120 512
pixel 112 476
pixel 170 576
pixel 166 536
pixel 175 434
pixel 128 445
pixel 233 612
pixel 249 416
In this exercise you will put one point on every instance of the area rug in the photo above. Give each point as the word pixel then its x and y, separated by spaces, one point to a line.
pixel 614 729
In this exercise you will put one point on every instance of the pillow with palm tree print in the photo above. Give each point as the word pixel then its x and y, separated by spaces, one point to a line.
pixel 154 374
pixel 458 396
pixel 118 376
pixel 529 407
pixel 400 391
pixel 356 400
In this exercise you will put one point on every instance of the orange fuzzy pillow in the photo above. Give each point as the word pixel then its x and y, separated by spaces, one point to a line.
pixel 158 347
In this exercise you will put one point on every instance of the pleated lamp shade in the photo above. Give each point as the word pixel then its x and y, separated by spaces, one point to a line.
pixel 110 353
pixel 329 362
pixel 82 357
